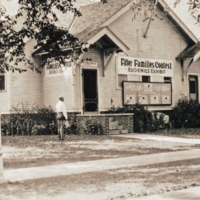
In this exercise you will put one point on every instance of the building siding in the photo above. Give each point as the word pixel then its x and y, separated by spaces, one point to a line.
pixel 55 87
pixel 161 42
pixel 27 86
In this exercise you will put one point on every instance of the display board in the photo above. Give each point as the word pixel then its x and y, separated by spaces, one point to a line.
pixel 147 93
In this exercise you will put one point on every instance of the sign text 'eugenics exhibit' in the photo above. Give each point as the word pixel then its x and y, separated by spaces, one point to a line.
pixel 142 66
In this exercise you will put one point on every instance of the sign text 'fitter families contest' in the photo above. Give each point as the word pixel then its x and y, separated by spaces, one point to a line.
pixel 140 66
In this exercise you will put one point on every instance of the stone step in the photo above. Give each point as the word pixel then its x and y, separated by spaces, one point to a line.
pixel 120 127
pixel 113 127
pixel 115 123
pixel 114 132
pixel 124 131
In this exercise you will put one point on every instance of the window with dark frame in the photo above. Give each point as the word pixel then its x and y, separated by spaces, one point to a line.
pixel 167 80
pixel 2 82
pixel 193 87
pixel 2 78
pixel 146 79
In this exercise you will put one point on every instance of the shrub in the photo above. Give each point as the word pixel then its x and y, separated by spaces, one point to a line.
pixel 119 109
pixel 73 129
pixel 144 120
pixel 46 119
pixel 186 113
pixel 30 121
pixel 94 127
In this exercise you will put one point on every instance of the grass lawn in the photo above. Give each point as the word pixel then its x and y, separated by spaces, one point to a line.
pixel 31 151
pixel 182 132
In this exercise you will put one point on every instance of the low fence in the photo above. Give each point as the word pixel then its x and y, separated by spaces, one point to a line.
pixel 124 120
pixel 18 124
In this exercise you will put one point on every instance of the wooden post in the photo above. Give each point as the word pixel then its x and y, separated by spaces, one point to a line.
pixel 145 34
pixel 2 178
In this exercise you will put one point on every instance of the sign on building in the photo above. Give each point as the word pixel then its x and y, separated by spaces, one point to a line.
pixel 90 63
pixel 142 66
pixel 56 69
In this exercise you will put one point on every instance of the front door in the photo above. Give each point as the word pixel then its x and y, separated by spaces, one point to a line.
pixel 193 87
pixel 90 92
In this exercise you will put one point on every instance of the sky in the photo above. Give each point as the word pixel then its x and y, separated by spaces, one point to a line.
pixel 10 5
pixel 181 10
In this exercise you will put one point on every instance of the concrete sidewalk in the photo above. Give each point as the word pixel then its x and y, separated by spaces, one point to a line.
pixel 98 165
pixel 186 194
pixel 159 138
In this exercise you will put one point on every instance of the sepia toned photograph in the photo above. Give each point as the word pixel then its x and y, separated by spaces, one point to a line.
pixel 99 100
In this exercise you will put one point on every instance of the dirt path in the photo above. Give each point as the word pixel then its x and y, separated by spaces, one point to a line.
pixel 109 185
pixel 32 151
pixel 104 185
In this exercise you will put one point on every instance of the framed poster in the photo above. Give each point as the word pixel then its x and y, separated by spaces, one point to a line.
pixel 155 94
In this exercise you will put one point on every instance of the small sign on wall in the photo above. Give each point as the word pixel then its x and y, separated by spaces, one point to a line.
pixel 90 63
pixel 143 99
pixel 165 99
pixel 56 69
pixel 155 99
pixel 131 99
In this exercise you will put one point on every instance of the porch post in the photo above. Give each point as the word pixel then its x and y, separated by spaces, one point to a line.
pixel 2 178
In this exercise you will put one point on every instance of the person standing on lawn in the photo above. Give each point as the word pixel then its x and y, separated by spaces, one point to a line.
pixel 61 117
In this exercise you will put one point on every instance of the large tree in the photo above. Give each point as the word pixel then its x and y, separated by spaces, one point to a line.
pixel 40 22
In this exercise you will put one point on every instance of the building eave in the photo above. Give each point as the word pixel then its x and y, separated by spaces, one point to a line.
pixel 112 36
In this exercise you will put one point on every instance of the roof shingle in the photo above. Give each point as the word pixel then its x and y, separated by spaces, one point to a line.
pixel 65 19
pixel 95 14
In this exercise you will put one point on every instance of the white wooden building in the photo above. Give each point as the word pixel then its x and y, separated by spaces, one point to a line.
pixel 158 60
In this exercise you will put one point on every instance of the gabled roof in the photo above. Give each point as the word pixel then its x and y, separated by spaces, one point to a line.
pixel 102 35
pixel 86 34
pixel 106 38
pixel 65 19
pixel 177 23
pixel 95 14
pixel 99 15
